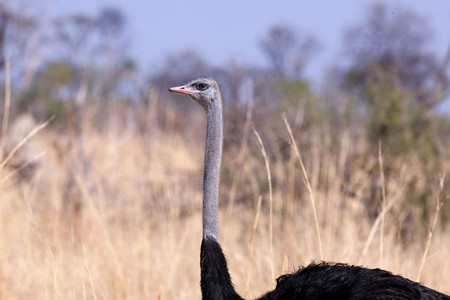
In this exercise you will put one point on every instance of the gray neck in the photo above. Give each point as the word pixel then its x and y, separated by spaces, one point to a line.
pixel 211 173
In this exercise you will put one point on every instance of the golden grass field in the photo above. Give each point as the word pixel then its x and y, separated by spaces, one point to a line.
pixel 130 228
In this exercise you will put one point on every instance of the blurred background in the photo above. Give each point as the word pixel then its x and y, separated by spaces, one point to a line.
pixel 101 167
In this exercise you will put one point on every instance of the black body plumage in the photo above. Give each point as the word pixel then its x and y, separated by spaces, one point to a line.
pixel 318 281
pixel 215 279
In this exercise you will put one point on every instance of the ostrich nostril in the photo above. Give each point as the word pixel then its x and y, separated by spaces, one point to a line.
pixel 182 88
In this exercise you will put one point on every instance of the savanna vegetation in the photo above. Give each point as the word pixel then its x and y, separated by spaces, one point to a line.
pixel 101 168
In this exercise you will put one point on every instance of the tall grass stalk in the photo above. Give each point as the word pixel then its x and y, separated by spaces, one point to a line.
pixel 269 179
pixel 432 226
pixel 307 183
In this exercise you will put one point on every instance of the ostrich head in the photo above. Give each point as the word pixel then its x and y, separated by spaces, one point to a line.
pixel 204 91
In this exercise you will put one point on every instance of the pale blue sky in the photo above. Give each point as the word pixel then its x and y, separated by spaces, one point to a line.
pixel 225 30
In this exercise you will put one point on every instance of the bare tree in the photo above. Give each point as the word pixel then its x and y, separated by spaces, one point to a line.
pixel 94 48
pixel 20 40
pixel 286 52
pixel 278 45
pixel 395 39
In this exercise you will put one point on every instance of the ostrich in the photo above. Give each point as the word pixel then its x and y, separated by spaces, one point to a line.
pixel 317 280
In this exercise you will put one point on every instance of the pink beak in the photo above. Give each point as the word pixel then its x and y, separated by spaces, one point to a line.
pixel 182 90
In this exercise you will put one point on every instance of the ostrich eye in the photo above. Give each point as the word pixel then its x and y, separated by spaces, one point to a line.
pixel 202 86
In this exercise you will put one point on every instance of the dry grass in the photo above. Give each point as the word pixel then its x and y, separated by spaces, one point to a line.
pixel 137 230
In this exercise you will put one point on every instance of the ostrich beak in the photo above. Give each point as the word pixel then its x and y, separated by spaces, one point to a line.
pixel 182 90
